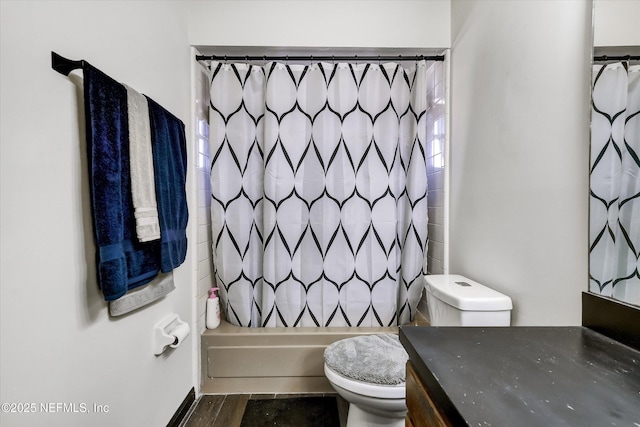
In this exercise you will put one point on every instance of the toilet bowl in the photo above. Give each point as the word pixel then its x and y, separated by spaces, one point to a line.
pixel 369 371
pixel 370 405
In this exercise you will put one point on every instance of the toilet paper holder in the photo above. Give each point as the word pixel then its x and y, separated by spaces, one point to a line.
pixel 170 331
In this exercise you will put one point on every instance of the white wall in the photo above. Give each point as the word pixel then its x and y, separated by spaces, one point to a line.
pixel 616 23
pixel 58 343
pixel 321 23
pixel 519 152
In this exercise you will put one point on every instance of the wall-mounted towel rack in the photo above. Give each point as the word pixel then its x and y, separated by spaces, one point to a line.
pixel 63 65
pixel 125 266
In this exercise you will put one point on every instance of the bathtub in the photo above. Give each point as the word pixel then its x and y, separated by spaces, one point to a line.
pixel 271 360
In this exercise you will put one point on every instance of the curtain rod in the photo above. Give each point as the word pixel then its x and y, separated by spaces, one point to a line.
pixel 617 58
pixel 319 58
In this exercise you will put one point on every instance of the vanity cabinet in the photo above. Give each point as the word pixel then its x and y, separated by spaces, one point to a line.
pixel 421 409
pixel 519 376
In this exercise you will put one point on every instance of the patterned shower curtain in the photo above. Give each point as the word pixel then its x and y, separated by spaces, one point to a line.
pixel 615 183
pixel 319 192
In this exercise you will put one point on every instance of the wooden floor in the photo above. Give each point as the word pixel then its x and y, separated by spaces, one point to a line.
pixel 226 410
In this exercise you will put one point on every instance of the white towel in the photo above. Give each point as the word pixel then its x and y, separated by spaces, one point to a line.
pixel 143 188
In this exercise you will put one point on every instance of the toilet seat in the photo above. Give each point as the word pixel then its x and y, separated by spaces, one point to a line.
pixel 380 391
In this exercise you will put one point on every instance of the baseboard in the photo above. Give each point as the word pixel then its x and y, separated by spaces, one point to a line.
pixel 183 409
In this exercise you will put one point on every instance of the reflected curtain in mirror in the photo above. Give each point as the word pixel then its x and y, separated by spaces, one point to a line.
pixel 614 234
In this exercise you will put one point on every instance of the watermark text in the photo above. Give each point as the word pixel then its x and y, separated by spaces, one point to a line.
pixel 54 408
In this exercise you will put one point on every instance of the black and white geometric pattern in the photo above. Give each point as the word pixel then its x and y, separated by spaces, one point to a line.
pixel 614 258
pixel 319 188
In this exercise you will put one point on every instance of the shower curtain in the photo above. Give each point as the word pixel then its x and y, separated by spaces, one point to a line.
pixel 615 182
pixel 319 192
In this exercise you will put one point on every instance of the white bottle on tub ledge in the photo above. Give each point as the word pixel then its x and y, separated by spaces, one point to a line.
pixel 213 310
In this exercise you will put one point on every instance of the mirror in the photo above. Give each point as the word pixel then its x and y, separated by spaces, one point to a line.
pixel 614 217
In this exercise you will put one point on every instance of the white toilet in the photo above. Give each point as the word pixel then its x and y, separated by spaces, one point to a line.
pixel 368 371
pixel 454 300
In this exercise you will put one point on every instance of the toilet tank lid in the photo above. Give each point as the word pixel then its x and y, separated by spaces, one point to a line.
pixel 466 294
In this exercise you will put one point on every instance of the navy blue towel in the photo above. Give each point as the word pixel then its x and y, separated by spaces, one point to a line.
pixel 123 262
pixel 170 164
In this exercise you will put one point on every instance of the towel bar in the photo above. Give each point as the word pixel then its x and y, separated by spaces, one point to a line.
pixel 63 65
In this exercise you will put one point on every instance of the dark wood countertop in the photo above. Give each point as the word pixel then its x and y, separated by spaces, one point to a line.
pixel 527 376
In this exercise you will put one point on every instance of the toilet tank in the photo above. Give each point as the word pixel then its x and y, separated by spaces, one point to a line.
pixel 455 300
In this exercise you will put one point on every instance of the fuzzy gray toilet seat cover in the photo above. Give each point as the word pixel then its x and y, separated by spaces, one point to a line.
pixel 376 359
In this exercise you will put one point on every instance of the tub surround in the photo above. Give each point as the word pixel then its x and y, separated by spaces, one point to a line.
pixel 271 360
pixel 526 376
